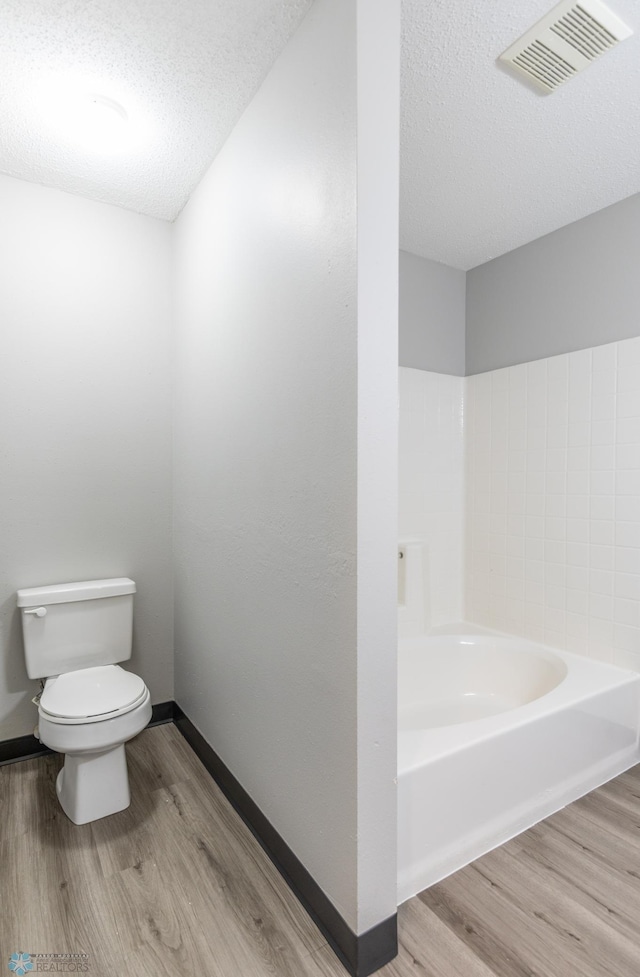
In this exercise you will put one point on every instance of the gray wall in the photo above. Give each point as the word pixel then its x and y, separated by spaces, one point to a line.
pixel 272 664
pixel 432 316
pixel 85 401
pixel 573 289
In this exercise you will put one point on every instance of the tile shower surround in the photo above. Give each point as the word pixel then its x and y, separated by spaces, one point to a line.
pixel 431 481
pixel 552 500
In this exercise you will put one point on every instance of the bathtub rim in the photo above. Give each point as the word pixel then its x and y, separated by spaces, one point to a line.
pixel 562 764
pixel 584 680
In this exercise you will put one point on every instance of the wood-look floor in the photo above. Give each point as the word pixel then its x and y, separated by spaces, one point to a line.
pixel 178 885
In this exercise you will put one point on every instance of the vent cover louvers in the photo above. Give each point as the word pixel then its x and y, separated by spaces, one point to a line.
pixel 564 42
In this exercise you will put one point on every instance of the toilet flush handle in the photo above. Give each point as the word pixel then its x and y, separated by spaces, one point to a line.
pixel 37 611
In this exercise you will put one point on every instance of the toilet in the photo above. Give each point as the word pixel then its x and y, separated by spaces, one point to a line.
pixel 75 634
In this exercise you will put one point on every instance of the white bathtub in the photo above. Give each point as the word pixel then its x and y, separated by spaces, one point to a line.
pixel 496 733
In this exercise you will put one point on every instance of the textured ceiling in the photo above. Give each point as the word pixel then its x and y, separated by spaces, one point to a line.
pixel 486 163
pixel 183 69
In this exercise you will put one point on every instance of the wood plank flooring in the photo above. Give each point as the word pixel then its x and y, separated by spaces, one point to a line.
pixel 177 884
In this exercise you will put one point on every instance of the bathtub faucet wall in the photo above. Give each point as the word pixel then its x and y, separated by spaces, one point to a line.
pixel 414 607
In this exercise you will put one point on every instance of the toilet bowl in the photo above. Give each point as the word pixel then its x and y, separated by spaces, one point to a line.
pixel 74 636
pixel 89 715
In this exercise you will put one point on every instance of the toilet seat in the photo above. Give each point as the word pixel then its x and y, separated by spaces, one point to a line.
pixel 91 695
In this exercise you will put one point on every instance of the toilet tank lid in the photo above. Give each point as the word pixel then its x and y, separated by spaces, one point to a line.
pixel 62 593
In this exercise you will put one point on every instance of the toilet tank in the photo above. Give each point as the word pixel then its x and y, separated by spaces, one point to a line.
pixel 76 625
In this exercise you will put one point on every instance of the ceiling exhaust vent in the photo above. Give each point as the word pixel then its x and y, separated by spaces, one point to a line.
pixel 564 42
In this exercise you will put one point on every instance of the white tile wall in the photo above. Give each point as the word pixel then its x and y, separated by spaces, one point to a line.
pixel 552 543
pixel 431 487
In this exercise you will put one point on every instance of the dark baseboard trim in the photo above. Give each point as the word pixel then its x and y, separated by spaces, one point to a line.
pixel 21 748
pixel 28 747
pixel 377 947
pixel 162 712
pixel 362 955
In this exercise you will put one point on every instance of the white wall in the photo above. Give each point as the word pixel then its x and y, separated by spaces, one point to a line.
pixel 553 513
pixel 378 161
pixel 85 407
pixel 284 486
pixel 432 315
pixel 431 484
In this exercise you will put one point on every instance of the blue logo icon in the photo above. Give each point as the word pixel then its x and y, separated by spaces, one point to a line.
pixel 20 963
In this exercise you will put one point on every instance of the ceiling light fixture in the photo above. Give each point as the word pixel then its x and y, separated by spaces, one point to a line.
pixel 102 123
pixel 78 114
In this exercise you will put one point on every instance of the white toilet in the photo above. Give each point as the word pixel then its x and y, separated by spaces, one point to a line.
pixel 74 633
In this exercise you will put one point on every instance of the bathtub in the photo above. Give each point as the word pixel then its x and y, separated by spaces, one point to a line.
pixel 496 733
